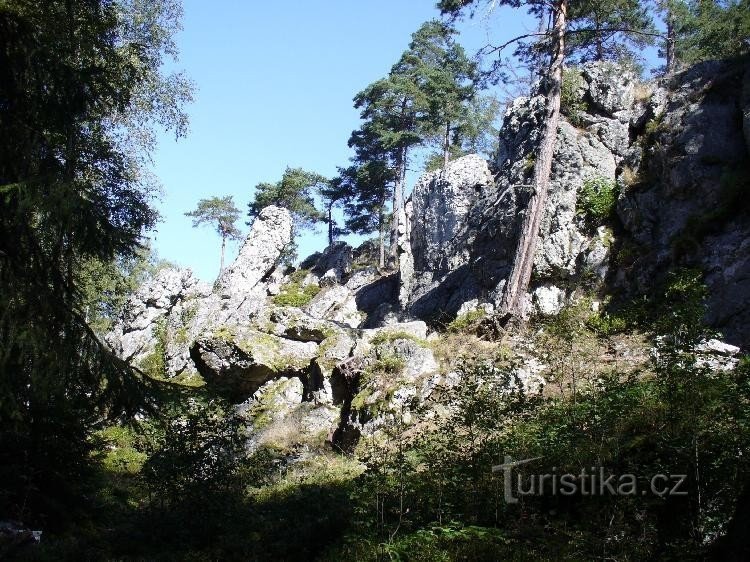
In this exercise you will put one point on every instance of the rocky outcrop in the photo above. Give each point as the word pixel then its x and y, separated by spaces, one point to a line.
pixel 678 154
pixel 332 351
pixel 145 315
pixel 685 207
pixel 271 233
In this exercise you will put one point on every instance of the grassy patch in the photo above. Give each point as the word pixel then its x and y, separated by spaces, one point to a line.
pixel 294 293
pixel 388 336
pixel 571 102
pixel 467 322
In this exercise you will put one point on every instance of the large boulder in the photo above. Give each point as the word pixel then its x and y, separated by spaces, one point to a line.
pixel 241 362
pixel 271 233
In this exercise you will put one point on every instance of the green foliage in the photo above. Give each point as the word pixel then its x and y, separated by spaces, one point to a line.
pixel 596 200
pixel 614 30
pixel 295 191
pixel 154 364
pixel 295 293
pixel 572 103
pixel 467 322
pixel 711 30
pixel 106 285
pixel 195 452
pixel 73 199
pixel 219 212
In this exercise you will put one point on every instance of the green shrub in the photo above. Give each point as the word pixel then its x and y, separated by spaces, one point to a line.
pixel 154 364
pixel 571 102
pixel 597 199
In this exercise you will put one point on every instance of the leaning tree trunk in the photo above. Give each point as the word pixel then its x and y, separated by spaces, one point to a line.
pixel 520 276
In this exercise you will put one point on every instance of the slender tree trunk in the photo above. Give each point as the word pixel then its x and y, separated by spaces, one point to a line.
pixel 398 200
pixel 381 235
pixel 520 276
pixel 223 245
pixel 446 145
pixel 330 225
pixel 671 64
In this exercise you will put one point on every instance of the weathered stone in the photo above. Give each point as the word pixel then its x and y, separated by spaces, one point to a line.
pixel 293 324
pixel 242 362
pixel 270 234
pixel 610 87
pixel 549 299
pixel 334 262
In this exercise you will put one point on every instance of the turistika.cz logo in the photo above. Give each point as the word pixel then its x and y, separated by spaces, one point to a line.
pixel 593 482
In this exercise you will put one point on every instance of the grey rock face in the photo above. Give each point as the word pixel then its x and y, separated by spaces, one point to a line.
pixel 455 257
pixel 610 88
pixel 242 362
pixel 692 161
pixel 271 233
pixel 441 202
pixel 170 291
pixel 334 262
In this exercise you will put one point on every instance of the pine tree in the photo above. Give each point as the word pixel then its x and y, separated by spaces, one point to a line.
pixel 296 192
pixel 334 193
pixel 439 67
pixel 370 183
pixel 609 29
pixel 426 91
pixel 222 214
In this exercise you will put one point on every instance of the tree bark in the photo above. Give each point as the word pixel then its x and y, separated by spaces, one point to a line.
pixel 223 245
pixel 512 302
pixel 381 235
pixel 398 199
pixel 671 64
pixel 330 225
pixel 446 145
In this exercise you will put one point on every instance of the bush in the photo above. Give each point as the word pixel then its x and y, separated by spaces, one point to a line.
pixel 571 102
pixel 596 200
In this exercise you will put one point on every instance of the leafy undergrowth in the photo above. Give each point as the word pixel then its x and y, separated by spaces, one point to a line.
pixel 182 486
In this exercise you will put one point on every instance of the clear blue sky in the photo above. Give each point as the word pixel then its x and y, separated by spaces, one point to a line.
pixel 275 82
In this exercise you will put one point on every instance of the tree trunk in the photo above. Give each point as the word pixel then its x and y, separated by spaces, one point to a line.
pixel 446 145
pixel 599 38
pixel 381 234
pixel 398 199
pixel 223 245
pixel 520 276
pixel 330 225
pixel 671 65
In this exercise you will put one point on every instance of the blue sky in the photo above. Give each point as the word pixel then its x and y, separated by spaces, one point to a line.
pixel 275 82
